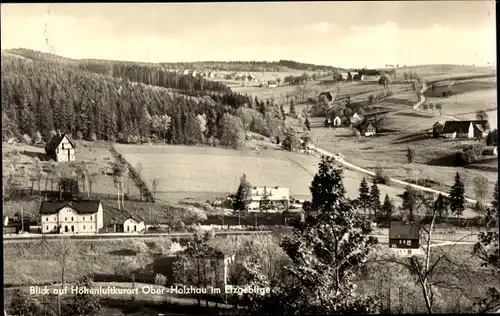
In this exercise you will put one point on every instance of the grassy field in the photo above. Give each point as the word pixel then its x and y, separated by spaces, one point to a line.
pixel 465 104
pixel 389 152
pixel 195 169
pixel 438 72
pixel 94 154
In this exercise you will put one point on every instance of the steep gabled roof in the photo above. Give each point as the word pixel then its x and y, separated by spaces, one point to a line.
pixel 56 140
pixel 402 230
pixel 80 206
pixel 135 217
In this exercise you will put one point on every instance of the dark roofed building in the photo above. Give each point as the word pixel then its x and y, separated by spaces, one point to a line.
pixel 71 217
pixel 61 148
pixel 465 129
pixel 404 238
pixel 329 96
pixel 368 129
pixel 119 221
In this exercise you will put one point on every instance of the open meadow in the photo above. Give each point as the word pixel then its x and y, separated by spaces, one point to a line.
pixel 192 170
pixel 465 105
pixel 95 155
pixel 440 72
pixel 433 163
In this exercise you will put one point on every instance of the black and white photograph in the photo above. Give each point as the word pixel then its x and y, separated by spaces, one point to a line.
pixel 250 158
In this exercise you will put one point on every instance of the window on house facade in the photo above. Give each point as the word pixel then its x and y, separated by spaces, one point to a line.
pixel 135 228
pixel 409 251
pixel 54 218
pixel 72 228
pixel 90 226
pixel 84 218
pixel 65 219
pixel 47 227
pixel 72 219
pixel 90 217
pixel 408 242
pixel 46 219
pixel 393 246
pixel 83 227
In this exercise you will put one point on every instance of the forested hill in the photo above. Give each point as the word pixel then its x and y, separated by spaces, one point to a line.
pixel 147 73
pixel 254 66
pixel 99 100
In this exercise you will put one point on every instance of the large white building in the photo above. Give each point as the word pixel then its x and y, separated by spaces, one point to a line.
pixel 269 198
pixel 71 217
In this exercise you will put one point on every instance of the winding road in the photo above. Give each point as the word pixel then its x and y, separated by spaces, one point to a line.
pixel 340 159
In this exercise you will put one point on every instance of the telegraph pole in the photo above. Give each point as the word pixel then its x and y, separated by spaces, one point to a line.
pixel 22 219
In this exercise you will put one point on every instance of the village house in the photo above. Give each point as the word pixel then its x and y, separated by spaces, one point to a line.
pixel 186 72
pixel 404 238
pixel 465 129
pixel 337 121
pixel 134 224
pixel 367 129
pixel 61 148
pixel 329 96
pixel 355 119
pixel 71 217
pixel 211 75
pixel 272 83
pixel 16 224
pixel 123 222
pixel 358 77
pixel 269 198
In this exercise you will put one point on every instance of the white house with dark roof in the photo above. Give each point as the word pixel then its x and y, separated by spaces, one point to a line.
pixel 134 224
pixel 61 148
pixel 71 217
pixel 404 238
pixel 275 196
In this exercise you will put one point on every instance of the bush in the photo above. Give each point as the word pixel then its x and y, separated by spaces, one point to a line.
pixel 291 143
pixel 26 139
pixel 381 176
pixel 160 279
pixel 469 154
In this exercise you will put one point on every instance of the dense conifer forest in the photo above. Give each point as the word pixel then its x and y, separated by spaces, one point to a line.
pixel 117 101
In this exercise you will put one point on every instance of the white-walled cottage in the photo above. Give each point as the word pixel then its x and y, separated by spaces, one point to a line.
pixel 61 148
pixel 71 217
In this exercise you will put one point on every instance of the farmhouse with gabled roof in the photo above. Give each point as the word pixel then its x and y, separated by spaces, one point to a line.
pixel 61 148
pixel 465 129
pixel 404 238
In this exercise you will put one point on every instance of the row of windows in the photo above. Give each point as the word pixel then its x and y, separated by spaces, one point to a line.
pixel 67 229
pixel 405 242
pixel 66 219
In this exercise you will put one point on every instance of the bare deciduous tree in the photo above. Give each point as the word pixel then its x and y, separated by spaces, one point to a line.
pixel 154 186
pixel 38 173
pixel 435 270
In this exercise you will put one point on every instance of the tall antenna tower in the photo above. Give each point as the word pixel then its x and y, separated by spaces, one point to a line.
pixel 50 48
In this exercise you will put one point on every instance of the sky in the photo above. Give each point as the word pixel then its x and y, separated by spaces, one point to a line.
pixel 345 34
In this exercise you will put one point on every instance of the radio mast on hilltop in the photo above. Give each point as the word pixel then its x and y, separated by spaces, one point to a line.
pixel 50 48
